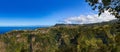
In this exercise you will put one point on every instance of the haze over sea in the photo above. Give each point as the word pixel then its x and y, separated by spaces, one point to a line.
pixel 4 29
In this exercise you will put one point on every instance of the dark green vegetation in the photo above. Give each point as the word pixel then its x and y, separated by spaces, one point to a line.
pixel 66 38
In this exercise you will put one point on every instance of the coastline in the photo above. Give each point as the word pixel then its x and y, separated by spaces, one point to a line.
pixel 7 29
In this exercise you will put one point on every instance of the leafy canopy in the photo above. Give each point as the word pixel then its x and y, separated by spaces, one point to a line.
pixel 113 6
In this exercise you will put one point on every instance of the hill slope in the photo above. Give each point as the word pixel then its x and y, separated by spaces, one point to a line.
pixel 79 38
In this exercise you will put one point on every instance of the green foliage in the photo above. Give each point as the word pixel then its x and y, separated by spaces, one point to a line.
pixel 85 38
pixel 112 6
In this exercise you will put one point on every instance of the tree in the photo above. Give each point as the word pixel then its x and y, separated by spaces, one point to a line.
pixel 113 6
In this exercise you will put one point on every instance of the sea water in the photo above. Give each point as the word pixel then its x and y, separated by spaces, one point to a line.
pixel 8 29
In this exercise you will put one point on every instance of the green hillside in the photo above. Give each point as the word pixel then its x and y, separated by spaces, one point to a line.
pixel 99 37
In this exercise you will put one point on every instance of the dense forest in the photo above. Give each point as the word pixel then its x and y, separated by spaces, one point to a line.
pixel 98 37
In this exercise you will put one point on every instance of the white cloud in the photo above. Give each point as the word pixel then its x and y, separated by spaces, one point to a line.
pixel 82 19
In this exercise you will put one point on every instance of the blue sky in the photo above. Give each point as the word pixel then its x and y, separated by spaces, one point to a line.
pixel 40 12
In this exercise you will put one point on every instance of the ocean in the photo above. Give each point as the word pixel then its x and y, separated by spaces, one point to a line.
pixel 8 29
